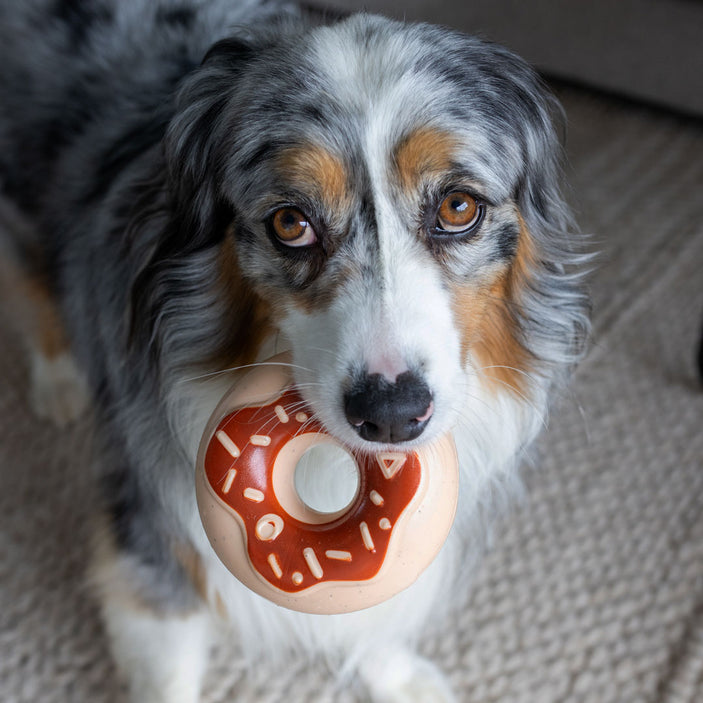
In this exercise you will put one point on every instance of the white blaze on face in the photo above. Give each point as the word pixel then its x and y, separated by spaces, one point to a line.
pixel 412 323
pixel 394 317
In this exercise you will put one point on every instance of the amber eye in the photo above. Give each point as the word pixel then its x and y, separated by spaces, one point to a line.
pixel 458 213
pixel 292 228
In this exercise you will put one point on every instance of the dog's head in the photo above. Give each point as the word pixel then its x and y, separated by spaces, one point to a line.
pixel 386 197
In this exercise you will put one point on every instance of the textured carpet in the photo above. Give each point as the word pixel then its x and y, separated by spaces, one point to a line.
pixel 593 588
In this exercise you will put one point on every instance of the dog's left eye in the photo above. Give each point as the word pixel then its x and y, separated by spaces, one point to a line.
pixel 458 213
pixel 292 228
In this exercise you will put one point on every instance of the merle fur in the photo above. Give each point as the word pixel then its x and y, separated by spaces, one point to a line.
pixel 134 162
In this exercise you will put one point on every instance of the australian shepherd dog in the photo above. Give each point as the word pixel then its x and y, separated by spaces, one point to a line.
pixel 190 186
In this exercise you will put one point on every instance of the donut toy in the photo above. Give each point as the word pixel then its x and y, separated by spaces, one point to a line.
pixel 284 550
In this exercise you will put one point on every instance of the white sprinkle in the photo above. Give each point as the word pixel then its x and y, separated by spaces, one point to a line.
pixel 260 440
pixel 366 536
pixel 384 523
pixel 297 578
pixel 228 481
pixel 376 498
pixel 281 413
pixel 253 494
pixel 301 417
pixel 391 463
pixel 269 527
pixel 338 554
pixel 227 443
pixel 312 562
pixel 275 566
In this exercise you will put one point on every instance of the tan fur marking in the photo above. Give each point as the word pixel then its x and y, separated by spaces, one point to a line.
pixel 315 171
pixel 109 575
pixel 489 328
pixel 193 566
pixel 50 333
pixel 220 607
pixel 421 153
pixel 33 309
pixel 250 319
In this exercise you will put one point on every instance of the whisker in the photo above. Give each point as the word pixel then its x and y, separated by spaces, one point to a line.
pixel 466 418
pixel 522 396
pixel 234 369
pixel 530 376
pixel 310 384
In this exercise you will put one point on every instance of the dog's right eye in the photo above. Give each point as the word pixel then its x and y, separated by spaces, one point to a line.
pixel 458 213
pixel 292 228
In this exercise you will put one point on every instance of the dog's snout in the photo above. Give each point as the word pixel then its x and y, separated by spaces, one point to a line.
pixel 381 411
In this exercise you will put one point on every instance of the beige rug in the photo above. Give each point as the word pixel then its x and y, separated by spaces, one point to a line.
pixel 593 589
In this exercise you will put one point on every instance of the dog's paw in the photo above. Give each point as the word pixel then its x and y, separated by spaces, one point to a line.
pixel 59 391
pixel 400 676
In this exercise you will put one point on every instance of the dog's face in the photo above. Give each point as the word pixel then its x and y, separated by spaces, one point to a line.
pixel 391 198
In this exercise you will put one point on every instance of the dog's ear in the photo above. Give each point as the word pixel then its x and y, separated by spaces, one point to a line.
pixel 539 192
pixel 556 304
pixel 180 213
pixel 193 148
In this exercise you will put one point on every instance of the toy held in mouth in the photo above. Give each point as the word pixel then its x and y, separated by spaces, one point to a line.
pixel 288 552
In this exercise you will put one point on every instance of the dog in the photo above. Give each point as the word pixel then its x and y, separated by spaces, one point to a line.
pixel 190 186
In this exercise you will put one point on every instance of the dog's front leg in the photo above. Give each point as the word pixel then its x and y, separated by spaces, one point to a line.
pixel 399 675
pixel 163 658
pixel 58 388
pixel 160 642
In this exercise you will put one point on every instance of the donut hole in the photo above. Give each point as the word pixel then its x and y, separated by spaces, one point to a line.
pixel 326 478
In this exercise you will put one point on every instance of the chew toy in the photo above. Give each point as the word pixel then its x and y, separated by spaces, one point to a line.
pixel 291 554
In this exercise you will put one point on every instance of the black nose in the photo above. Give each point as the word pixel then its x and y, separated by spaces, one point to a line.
pixel 381 411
